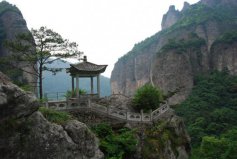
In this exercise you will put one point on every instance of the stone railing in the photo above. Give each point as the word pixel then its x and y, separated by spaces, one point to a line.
pixel 108 111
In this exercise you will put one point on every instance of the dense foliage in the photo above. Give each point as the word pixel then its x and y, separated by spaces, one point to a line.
pixel 210 113
pixel 181 46
pixel 147 98
pixel 199 14
pixel 55 116
pixel 70 94
pixel 229 38
pixel 115 144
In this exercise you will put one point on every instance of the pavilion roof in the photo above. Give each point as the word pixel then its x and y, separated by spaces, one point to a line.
pixel 86 68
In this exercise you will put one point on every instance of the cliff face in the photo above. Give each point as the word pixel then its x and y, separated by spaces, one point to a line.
pixel 166 138
pixel 25 133
pixel 171 58
pixel 170 18
pixel 12 23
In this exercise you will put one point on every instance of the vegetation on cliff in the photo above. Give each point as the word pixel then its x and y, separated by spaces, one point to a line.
pixel 161 137
pixel 199 14
pixel 183 45
pixel 147 98
pixel 116 144
pixel 55 116
pixel 228 38
pixel 210 113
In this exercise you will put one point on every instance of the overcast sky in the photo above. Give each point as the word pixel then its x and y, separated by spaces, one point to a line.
pixel 104 29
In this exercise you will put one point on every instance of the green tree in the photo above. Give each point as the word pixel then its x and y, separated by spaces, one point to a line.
pixel 49 46
pixel 213 148
pixel 147 97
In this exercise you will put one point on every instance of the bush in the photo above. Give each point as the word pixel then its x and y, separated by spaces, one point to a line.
pixel 70 94
pixel 115 144
pixel 147 97
pixel 55 116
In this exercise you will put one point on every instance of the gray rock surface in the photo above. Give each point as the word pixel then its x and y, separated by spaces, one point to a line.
pixel 25 133
pixel 170 18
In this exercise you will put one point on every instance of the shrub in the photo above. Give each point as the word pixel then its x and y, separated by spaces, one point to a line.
pixel 115 144
pixel 55 116
pixel 70 94
pixel 147 97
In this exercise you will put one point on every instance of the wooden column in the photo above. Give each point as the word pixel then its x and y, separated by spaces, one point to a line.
pixel 77 86
pixel 92 86
pixel 73 87
pixel 98 85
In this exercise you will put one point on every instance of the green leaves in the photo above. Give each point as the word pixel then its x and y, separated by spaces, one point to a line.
pixel 210 114
pixel 55 116
pixel 115 144
pixel 147 97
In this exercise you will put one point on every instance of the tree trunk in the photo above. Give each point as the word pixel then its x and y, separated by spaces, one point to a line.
pixel 40 82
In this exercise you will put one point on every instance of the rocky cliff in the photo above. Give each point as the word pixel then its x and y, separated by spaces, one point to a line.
pixel 201 38
pixel 165 138
pixel 25 133
pixel 12 23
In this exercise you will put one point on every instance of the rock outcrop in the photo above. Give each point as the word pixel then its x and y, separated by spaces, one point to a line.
pixel 166 138
pixel 171 58
pixel 170 18
pixel 12 23
pixel 25 133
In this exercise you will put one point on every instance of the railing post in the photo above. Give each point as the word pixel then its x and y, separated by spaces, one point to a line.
pixel 151 115
pixel 141 114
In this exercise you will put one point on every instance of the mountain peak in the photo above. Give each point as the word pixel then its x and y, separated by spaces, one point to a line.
pixel 186 6
pixel 170 18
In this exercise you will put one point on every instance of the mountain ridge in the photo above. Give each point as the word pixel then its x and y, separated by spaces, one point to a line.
pixel 173 70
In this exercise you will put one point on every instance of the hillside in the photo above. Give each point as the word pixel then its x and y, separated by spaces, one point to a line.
pixel 197 39
pixel 61 82
pixel 210 114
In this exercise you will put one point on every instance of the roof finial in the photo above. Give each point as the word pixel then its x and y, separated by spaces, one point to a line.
pixel 84 58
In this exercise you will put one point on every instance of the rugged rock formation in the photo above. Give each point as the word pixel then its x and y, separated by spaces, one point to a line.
pixel 170 18
pixel 12 23
pixel 166 138
pixel 25 133
pixel 172 58
pixel 186 6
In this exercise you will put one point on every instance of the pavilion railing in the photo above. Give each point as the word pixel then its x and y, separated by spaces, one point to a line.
pixel 55 96
pixel 83 103
pixel 59 96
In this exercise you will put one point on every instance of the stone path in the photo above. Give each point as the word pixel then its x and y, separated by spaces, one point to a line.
pixel 108 111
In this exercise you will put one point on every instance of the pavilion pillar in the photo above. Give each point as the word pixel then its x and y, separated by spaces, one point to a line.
pixel 77 86
pixel 73 87
pixel 98 85
pixel 92 87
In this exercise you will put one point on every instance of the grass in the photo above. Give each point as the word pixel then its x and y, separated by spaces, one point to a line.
pixel 55 116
